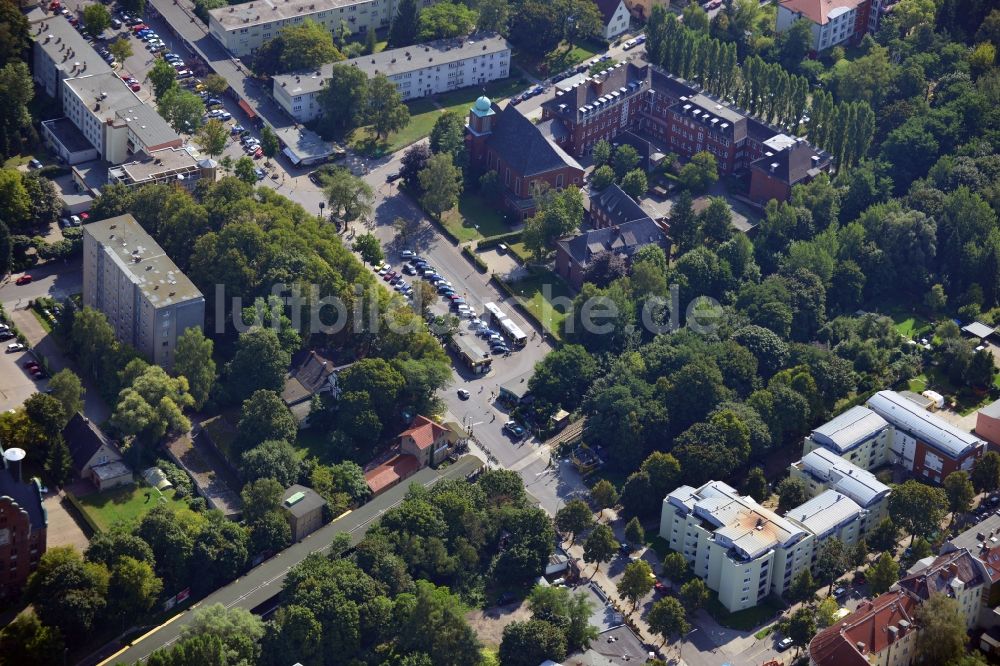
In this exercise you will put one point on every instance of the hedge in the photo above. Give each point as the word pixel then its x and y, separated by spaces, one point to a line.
pixel 83 512
pixel 493 241
pixel 474 258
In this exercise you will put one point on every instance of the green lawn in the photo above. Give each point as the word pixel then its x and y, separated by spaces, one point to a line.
pixel 559 59
pixel 910 325
pixel 744 620
pixel 537 292
pixel 310 443
pixel 659 545
pixel 473 218
pixel 424 113
pixel 126 504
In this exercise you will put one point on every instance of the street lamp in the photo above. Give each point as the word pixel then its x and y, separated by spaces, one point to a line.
pixel 322 205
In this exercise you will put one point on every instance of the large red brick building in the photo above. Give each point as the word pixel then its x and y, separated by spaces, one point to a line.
pixel 22 533
pixel 524 155
pixel 681 119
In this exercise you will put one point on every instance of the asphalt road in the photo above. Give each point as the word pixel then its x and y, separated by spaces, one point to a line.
pixel 263 582
pixel 51 279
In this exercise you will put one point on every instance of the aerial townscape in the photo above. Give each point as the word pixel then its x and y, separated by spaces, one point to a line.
pixel 499 332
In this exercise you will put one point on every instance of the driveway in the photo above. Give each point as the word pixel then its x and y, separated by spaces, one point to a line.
pixel 63 528
pixel 16 384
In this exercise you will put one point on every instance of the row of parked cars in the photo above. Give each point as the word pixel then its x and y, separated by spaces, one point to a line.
pixel 420 267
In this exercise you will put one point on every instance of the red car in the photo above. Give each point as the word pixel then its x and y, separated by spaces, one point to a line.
pixel 30 365
pixel 388 276
pixel 84 216
pixel 137 28
pixel 55 6
pixel 257 154
pixel 135 87
pixel 24 279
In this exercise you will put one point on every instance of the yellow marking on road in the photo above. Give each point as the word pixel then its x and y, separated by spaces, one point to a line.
pixel 138 640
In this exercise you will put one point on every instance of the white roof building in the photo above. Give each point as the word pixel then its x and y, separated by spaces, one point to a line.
pixel 843 476
pixel 850 429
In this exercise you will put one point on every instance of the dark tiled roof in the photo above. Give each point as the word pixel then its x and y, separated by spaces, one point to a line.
pixel 625 239
pixel 668 86
pixel 618 206
pixel 937 578
pixel 27 497
pixel 608 8
pixel 84 438
pixel 524 147
pixel 623 75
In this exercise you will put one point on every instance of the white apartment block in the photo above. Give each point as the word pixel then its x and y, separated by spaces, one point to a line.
pixel 418 70
pixel 859 435
pixel 822 470
pixel 242 29
pixel 745 551
pixel 60 52
pixel 833 21
pixel 148 301
pixel 742 550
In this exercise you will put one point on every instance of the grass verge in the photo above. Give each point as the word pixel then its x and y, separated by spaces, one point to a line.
pixel 659 545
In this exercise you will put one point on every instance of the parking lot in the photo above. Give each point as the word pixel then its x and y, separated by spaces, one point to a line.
pixel 18 384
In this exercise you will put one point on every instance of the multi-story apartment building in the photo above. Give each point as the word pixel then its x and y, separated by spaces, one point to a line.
pixel 822 471
pixel 60 52
pixel 244 28
pixel 418 71
pixel 175 166
pixel 892 429
pixel 742 550
pixel 684 120
pixel 600 107
pixel 883 631
pixel 859 435
pixel 23 525
pixel 146 298
pixel 833 21
pixel 923 443
pixel 745 551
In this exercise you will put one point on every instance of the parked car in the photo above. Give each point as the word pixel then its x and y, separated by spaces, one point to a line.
pixel 236 129
pixel 24 279
pixel 839 592
pixel 15 347
pixel 409 270
pixel 184 74
pixel 225 115
pixel 116 24
pixel 514 428
pixel 629 44
pixel 134 86
pixel 783 644
pixel 34 164
pixel 463 394
pixel 392 177
pixel 406 254
pixel 259 173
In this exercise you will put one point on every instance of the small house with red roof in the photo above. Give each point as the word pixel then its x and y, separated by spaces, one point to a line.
pixel 391 473
pixel 426 441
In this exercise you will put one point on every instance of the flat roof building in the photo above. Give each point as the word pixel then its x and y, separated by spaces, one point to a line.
pixel 822 470
pixel 417 71
pixel 176 166
pixel 148 301
pixel 922 442
pixel 60 52
pixel 244 28
pixel 304 510
pixel 743 550
pixel 113 120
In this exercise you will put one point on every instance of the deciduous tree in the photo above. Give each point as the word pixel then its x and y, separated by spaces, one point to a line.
pixel 97 18
pixel 667 619
pixel 441 182
pixel 385 110
pixel 306 46
pixel 942 636
pixel 575 517
pixel 212 137
pixel 917 508
pixel 883 574
pixel 193 360
pixel 264 417
pixel 600 546
pixel 444 20
pixel 636 581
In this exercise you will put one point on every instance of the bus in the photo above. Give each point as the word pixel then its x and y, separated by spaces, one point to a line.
pixel 496 317
pixel 512 331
